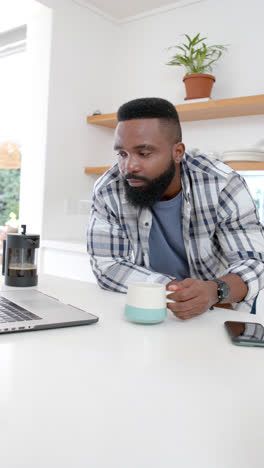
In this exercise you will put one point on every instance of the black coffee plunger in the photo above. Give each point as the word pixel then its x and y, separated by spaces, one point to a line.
pixel 19 259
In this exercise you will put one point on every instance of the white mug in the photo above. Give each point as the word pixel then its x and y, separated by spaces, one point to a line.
pixel 146 302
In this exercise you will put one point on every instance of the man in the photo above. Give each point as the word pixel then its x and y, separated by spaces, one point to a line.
pixel 174 217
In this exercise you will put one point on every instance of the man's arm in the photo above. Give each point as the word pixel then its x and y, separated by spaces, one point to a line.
pixel 193 297
pixel 241 245
pixel 111 252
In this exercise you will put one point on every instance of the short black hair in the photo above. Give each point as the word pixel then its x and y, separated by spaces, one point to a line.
pixel 151 108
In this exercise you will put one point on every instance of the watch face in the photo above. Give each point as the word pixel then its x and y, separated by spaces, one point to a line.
pixel 223 291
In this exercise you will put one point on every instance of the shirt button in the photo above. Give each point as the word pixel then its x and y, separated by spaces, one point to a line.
pixel 146 224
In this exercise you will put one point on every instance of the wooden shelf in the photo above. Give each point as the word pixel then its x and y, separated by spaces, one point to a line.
pixel 104 120
pixel 219 109
pixel 237 165
pixel 246 165
pixel 234 107
pixel 96 170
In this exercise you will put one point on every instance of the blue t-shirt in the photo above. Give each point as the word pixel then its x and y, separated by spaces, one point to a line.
pixel 166 247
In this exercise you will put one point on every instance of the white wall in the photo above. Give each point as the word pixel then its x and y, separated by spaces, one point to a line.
pixel 82 64
pixel 83 52
pixel 240 71
pixel 144 42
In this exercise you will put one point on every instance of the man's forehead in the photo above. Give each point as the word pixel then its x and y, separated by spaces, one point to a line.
pixel 138 124
pixel 140 129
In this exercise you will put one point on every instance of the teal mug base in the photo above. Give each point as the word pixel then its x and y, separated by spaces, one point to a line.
pixel 138 315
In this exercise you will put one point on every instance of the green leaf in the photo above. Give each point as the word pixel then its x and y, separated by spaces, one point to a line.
pixel 195 55
pixel 181 48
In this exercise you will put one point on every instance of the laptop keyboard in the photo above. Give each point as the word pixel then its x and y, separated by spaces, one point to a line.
pixel 11 312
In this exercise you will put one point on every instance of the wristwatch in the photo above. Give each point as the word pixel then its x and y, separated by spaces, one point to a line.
pixel 223 291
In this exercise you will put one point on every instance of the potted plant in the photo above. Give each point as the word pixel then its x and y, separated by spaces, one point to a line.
pixel 198 58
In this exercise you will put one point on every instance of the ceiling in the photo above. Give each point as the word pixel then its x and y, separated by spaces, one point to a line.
pixel 121 9
pixel 16 12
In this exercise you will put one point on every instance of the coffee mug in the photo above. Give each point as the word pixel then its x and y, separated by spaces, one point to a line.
pixel 146 302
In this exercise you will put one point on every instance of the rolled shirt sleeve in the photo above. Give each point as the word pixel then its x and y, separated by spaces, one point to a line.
pixel 240 235
pixel 114 260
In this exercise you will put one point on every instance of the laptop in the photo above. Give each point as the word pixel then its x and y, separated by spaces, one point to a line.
pixel 32 310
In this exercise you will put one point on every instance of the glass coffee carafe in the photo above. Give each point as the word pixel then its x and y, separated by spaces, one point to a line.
pixel 20 259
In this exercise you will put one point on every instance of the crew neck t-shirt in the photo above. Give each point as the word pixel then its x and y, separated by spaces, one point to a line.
pixel 167 252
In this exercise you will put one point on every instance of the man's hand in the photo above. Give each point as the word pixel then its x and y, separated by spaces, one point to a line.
pixel 192 297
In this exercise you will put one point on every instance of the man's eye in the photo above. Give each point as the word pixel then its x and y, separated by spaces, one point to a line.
pixel 122 154
pixel 144 153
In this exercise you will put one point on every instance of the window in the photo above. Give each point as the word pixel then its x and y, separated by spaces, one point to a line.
pixel 255 182
pixel 12 98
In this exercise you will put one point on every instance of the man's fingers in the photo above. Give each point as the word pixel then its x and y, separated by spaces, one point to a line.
pixel 182 294
pixel 185 315
pixel 174 287
pixel 176 284
pixel 191 297
pixel 187 282
pixel 183 307
pixel 184 290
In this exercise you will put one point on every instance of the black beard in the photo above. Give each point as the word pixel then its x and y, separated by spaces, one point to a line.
pixel 145 197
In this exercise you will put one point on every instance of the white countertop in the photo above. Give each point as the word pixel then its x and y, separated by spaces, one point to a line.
pixel 120 395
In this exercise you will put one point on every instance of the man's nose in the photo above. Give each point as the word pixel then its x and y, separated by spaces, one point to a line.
pixel 132 164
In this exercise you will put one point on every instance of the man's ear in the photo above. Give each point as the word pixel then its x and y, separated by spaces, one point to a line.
pixel 178 151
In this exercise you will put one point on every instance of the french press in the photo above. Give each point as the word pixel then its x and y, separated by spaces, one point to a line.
pixel 19 264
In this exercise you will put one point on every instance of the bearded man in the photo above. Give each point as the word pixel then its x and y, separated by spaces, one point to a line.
pixel 165 215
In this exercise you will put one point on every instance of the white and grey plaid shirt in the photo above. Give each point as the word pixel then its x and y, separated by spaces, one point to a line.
pixel 221 229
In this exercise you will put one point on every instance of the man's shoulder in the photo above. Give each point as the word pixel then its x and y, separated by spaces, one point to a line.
pixel 111 180
pixel 207 165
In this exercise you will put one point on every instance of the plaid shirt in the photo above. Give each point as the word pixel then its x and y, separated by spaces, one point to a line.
pixel 221 229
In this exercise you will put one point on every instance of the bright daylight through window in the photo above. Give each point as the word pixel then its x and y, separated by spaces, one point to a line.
pixel 12 98
pixel 255 182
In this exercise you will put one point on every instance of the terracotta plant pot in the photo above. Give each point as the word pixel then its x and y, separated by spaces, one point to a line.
pixel 198 85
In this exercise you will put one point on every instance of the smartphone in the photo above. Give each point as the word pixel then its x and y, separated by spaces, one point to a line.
pixel 245 333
